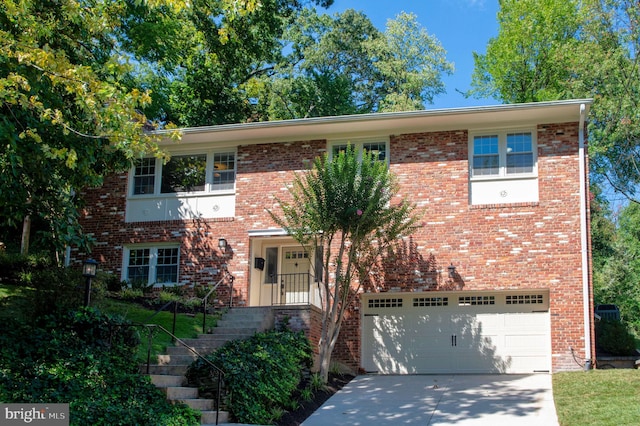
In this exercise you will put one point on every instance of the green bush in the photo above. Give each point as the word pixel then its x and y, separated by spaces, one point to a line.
pixel 16 269
pixel 86 359
pixel 613 337
pixel 261 374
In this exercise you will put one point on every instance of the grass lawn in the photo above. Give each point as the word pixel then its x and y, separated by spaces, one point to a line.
pixel 597 397
pixel 187 326
pixel 14 298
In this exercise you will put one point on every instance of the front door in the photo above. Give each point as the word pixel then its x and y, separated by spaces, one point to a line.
pixel 294 280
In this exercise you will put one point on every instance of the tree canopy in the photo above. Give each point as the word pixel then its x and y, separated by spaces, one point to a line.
pixel 82 81
pixel 342 64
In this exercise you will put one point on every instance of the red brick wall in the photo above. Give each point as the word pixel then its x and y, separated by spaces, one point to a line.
pixel 528 245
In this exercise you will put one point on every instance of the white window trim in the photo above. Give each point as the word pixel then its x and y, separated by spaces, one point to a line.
pixel 502 154
pixel 153 261
pixel 358 144
pixel 208 178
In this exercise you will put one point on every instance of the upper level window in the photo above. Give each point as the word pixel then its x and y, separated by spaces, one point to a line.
pixel 144 176
pixel 378 148
pixel 184 173
pixel 224 173
pixel 503 154
pixel 188 173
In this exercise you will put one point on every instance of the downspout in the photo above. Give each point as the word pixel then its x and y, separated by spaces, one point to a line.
pixel 584 232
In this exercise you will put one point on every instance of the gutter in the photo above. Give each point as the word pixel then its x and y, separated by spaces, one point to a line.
pixel 584 232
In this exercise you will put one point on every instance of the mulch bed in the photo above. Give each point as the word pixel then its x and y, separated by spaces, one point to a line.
pixel 306 408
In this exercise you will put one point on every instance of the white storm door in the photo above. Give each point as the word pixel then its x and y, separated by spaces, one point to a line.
pixel 294 280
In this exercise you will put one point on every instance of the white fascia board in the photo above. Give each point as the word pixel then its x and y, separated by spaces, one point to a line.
pixel 376 124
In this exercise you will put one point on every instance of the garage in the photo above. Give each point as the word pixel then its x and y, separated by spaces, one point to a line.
pixel 456 332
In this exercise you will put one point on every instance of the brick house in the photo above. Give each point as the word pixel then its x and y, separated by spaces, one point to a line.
pixel 497 278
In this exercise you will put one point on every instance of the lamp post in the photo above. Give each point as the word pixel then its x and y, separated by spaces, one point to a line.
pixel 89 268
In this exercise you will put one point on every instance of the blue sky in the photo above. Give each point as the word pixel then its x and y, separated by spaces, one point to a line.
pixel 462 26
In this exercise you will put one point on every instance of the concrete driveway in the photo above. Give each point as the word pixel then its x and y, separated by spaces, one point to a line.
pixel 514 400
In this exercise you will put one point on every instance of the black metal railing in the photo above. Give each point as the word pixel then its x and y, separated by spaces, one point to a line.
pixel 290 289
pixel 219 374
pixel 166 305
pixel 225 276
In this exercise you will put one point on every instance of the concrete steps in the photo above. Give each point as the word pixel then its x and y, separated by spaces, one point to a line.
pixel 169 372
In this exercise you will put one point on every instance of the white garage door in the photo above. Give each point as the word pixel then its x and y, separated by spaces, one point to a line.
pixel 470 332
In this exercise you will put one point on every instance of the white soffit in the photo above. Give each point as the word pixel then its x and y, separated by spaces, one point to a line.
pixel 393 123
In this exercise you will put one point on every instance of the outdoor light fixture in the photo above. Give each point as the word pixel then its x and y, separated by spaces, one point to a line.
pixel 452 271
pixel 89 268
pixel 222 244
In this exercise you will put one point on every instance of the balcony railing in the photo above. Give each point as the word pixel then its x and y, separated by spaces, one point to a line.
pixel 294 289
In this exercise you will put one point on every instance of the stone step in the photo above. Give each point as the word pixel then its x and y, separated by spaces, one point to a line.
pixel 200 404
pixel 241 328
pixel 174 393
pixel 176 359
pixel 208 418
pixel 165 380
pixel 203 349
pixel 171 370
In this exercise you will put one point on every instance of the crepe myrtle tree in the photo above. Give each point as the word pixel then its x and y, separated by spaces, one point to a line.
pixel 347 209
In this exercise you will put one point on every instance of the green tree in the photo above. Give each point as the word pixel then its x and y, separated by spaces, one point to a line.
pixel 346 209
pixel 342 64
pixel 67 114
pixel 616 277
pixel 527 60
pixel 77 81
pixel 230 54
pixel 609 71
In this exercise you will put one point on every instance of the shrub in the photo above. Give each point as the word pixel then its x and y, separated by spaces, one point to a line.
pixel 261 373
pixel 86 359
pixel 614 338
pixel 17 269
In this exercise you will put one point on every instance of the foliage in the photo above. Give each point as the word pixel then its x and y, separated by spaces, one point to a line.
pixel 83 358
pixel 597 397
pixel 342 64
pixel 348 207
pixel 260 373
pixel 617 273
pixel 15 268
pixel 526 62
pixel 68 114
pixel 613 338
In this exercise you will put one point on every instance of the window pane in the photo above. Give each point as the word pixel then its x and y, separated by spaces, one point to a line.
pixel 378 149
pixel 485 156
pixel 184 173
pixel 144 176
pixel 167 265
pixel 485 165
pixel 519 153
pixel 224 174
pixel 272 265
pixel 337 149
pixel 520 163
pixel 484 145
pixel 138 268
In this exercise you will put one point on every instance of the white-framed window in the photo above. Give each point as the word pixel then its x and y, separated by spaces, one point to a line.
pixel 197 172
pixel 149 265
pixel 378 146
pixel 502 154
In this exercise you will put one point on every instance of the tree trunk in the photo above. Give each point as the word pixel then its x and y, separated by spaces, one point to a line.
pixel 26 234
